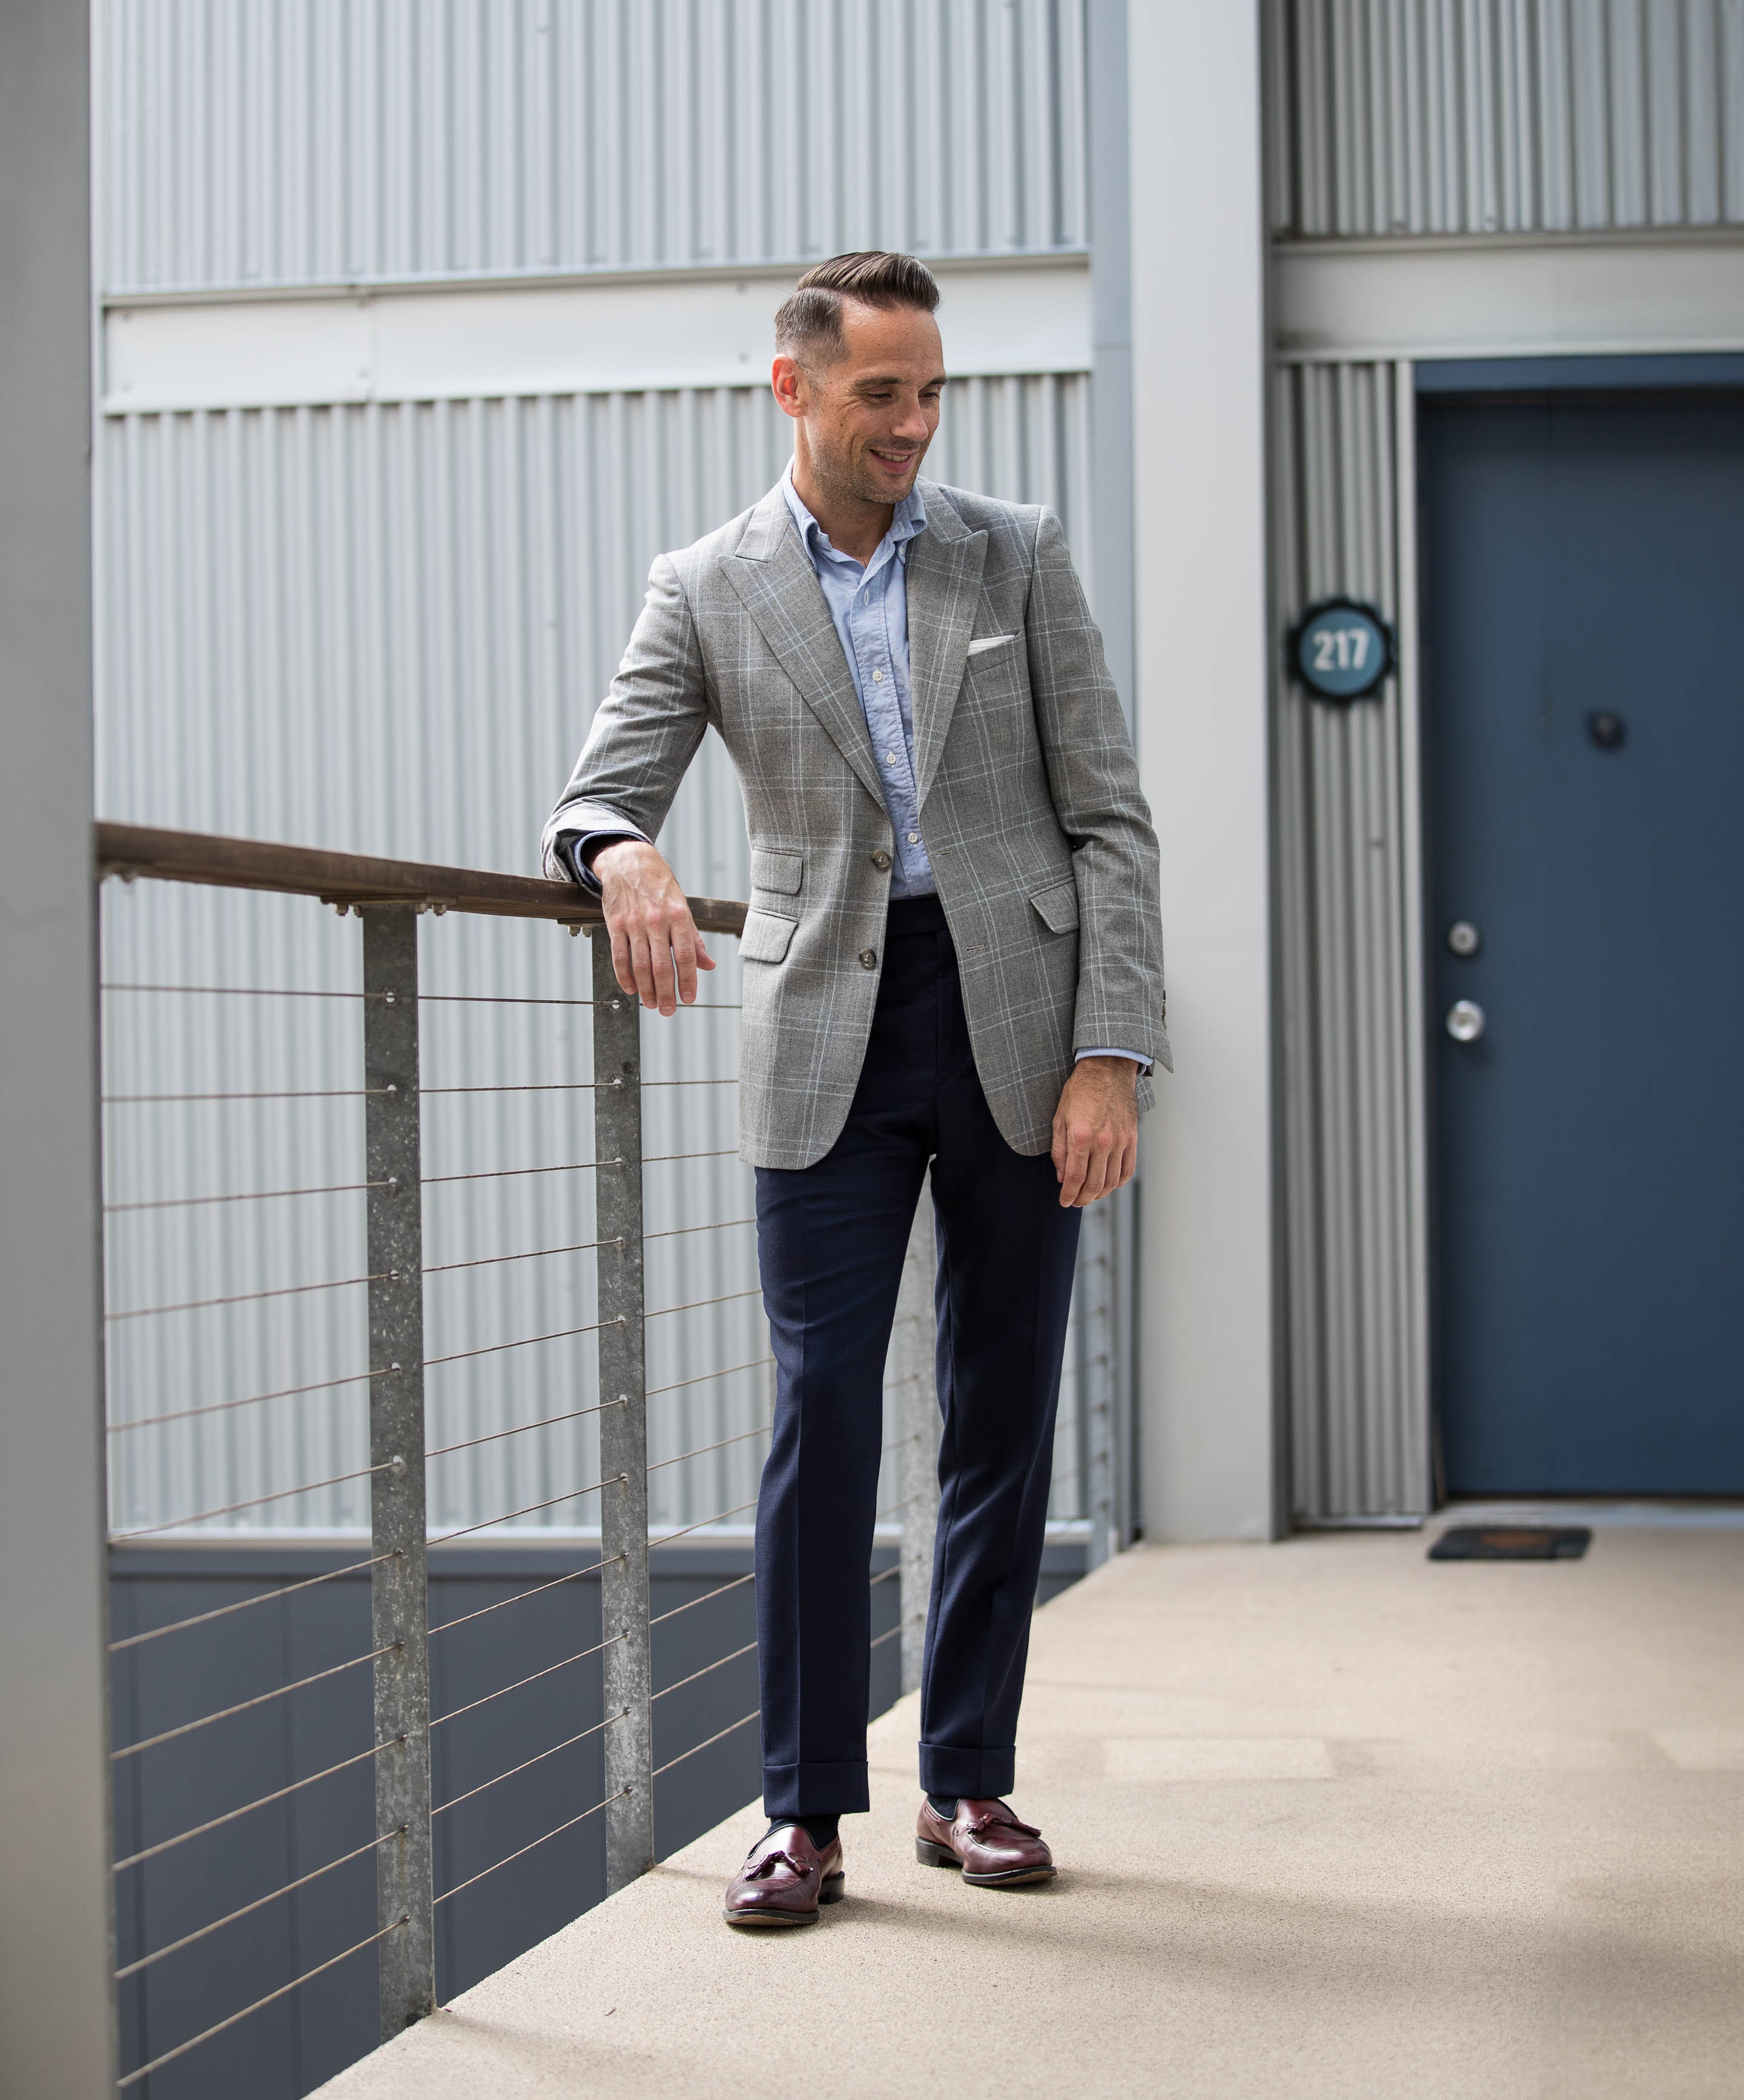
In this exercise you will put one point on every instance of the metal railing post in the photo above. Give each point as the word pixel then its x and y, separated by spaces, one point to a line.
pixel 914 1367
pixel 399 1598
pixel 623 1427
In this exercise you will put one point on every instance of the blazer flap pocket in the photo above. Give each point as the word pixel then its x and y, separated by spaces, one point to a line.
pixel 780 871
pixel 982 642
pixel 765 936
pixel 1058 906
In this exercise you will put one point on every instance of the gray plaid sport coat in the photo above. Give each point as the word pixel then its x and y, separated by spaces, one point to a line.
pixel 1039 839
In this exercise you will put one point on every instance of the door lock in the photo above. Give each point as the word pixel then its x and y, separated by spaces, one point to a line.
pixel 1465 1021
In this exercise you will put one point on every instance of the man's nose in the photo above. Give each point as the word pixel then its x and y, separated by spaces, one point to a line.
pixel 911 424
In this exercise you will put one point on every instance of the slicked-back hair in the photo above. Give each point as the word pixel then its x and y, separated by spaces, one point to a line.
pixel 809 326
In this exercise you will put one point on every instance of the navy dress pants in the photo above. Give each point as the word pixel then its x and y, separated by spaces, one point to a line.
pixel 831 1242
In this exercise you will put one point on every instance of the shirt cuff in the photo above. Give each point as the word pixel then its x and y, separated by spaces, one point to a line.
pixel 574 850
pixel 1144 1064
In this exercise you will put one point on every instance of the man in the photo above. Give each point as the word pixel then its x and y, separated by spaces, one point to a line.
pixel 952 958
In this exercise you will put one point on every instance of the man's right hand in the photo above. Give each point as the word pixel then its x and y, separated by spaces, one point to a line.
pixel 655 948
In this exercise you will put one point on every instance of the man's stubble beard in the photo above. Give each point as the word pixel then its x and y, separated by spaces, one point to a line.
pixel 838 475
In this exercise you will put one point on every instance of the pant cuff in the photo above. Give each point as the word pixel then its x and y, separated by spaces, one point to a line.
pixel 981 1774
pixel 815 1790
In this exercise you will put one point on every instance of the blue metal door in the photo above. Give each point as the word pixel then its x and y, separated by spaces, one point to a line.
pixel 1583 654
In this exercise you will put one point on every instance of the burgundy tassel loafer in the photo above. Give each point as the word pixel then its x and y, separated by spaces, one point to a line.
pixel 986 1840
pixel 784 1879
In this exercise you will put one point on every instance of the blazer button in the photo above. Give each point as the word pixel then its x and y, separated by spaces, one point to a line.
pixel 880 859
pixel 869 958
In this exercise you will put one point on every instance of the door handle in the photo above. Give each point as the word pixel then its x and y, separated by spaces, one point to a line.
pixel 1465 1021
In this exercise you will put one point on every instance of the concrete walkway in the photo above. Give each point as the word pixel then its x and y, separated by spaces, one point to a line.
pixel 1332 1820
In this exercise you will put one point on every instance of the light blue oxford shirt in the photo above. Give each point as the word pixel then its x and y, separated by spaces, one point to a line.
pixel 870 608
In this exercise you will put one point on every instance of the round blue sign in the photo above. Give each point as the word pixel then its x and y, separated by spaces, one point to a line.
pixel 1340 650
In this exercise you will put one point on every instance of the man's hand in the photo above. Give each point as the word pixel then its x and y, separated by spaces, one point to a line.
pixel 655 948
pixel 1096 1130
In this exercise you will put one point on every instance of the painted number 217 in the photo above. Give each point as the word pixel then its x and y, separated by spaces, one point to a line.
pixel 1341 648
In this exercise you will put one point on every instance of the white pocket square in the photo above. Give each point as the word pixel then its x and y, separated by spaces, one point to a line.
pixel 989 642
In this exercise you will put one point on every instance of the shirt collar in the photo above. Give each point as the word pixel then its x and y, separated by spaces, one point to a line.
pixel 908 521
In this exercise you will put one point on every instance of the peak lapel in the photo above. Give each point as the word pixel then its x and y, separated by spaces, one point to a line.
pixel 778 589
pixel 945 563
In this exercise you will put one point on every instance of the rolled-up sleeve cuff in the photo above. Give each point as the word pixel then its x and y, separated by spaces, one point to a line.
pixel 1143 1063
pixel 573 847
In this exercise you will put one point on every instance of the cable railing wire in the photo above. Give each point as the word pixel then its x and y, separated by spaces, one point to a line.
pixel 248 1808
pixel 252 1400
pixel 719 1735
pixel 253 1502
pixel 574 1494
pixel 244 1705
pixel 260 1902
pixel 520 1597
pixel 250 1297
pixel 248 1603
pixel 268 1094
pixel 569 1743
pixel 242 1196
pixel 320 1969
pixel 621 1794
pixel 702 1450
pixel 503 1691
pixel 719 1662
pixel 691 1603
pixel 521 1429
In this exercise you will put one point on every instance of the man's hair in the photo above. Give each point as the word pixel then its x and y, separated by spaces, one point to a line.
pixel 809 326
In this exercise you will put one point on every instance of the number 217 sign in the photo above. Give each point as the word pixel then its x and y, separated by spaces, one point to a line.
pixel 1340 650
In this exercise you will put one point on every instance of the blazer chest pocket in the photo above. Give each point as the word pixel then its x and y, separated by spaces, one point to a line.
pixel 1057 906
pixel 767 933
pixel 778 871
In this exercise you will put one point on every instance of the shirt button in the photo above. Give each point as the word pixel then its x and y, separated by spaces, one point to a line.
pixel 914 838
pixel 869 958
pixel 877 677
pixel 889 758
pixel 880 859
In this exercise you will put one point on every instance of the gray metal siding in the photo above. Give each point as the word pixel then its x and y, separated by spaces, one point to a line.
pixel 308 141
pixel 1476 117
pixel 385 629
pixel 1348 886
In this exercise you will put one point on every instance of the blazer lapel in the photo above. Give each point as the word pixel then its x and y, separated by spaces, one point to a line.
pixel 775 583
pixel 945 563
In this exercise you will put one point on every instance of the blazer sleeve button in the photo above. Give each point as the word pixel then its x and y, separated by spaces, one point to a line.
pixel 880 860
pixel 869 958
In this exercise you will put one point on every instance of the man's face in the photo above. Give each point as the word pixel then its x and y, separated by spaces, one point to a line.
pixel 865 421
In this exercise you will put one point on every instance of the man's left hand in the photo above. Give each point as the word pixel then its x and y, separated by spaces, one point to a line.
pixel 1096 1130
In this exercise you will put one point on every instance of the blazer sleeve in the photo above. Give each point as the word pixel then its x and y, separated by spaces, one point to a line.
pixel 643 735
pixel 1094 778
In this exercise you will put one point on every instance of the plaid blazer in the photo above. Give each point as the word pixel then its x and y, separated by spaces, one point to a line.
pixel 1039 839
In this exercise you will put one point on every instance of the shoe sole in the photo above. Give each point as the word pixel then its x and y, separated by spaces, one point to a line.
pixel 931 1854
pixel 832 1891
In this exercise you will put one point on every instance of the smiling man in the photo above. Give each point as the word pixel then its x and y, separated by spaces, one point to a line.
pixel 952 960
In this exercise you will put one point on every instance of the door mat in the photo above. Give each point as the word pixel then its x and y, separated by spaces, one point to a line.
pixel 1490 1541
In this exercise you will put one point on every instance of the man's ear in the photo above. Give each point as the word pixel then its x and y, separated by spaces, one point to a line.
pixel 787 381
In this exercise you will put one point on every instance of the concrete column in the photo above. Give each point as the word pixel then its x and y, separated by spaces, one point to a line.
pixel 1207 1425
pixel 57 2028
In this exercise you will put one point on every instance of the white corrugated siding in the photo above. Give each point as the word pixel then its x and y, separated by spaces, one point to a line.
pixel 1474 116
pixel 385 629
pixel 303 141
pixel 1348 889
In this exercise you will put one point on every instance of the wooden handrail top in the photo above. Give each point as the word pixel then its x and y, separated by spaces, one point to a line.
pixel 351 879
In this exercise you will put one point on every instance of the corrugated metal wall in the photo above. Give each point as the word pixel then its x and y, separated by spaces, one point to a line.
pixel 1475 116
pixel 299 141
pixel 385 628
pixel 1348 880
